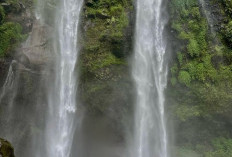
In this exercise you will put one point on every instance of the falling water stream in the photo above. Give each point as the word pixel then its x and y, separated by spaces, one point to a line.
pixel 62 102
pixel 150 75
pixel 208 16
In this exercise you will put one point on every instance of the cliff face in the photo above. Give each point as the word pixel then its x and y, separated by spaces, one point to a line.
pixel 106 41
pixel 200 81
pixel 24 56
pixel 106 85
pixel 15 23
pixel 201 76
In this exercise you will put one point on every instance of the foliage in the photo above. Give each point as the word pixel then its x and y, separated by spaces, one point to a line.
pixel 104 40
pixel 193 48
pixel 186 152
pixel 196 68
pixel 222 147
pixel 227 32
pixel 2 14
pixel 97 61
pixel 203 68
pixel 228 6
pixel 10 35
pixel 106 45
pixel 184 78
pixel 10 32
pixel 185 112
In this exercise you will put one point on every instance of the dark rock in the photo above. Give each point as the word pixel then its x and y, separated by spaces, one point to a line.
pixel 102 15
pixel 89 3
pixel 6 149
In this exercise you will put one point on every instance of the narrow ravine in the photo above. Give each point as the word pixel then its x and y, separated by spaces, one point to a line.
pixel 150 76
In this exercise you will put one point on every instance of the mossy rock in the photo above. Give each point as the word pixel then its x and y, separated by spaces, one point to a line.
pixel 6 149
pixel 106 45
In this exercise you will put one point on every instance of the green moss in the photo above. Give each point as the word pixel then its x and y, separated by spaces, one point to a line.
pixel 228 6
pixel 195 12
pixel 182 5
pixel 6 149
pixel 173 81
pixel 104 42
pixel 95 62
pixel 2 14
pixel 180 57
pixel 174 69
pixel 185 112
pixel 221 148
pixel 106 45
pixel 193 48
pixel 10 34
pixel 202 95
pixel 227 32
pixel 187 152
pixel 184 78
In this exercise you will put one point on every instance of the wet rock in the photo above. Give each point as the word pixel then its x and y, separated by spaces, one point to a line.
pixel 34 51
pixel 6 149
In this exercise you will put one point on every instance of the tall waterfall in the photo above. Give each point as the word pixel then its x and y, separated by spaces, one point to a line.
pixel 150 75
pixel 62 100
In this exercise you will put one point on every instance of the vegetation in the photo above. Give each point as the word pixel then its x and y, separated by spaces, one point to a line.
pixel 6 149
pixel 201 79
pixel 10 32
pixel 201 74
pixel 106 45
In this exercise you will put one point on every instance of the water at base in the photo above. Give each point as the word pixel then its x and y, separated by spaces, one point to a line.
pixel 63 95
pixel 149 70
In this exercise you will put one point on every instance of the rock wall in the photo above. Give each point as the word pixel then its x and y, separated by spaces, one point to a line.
pixel 106 87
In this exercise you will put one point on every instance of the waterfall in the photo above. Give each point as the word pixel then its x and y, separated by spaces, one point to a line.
pixel 208 16
pixel 9 82
pixel 149 70
pixel 62 100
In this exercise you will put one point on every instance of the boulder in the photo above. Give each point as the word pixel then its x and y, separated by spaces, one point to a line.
pixel 6 149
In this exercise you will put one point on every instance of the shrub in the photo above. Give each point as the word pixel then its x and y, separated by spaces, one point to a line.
pixel 228 6
pixel 173 81
pixel 227 33
pixel 193 48
pixel 222 147
pixel 195 13
pixel 10 35
pixel 186 152
pixel 174 69
pixel 2 14
pixel 180 57
pixel 184 78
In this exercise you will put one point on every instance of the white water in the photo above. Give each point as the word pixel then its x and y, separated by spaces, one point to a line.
pixel 9 82
pixel 208 16
pixel 62 102
pixel 8 89
pixel 150 75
